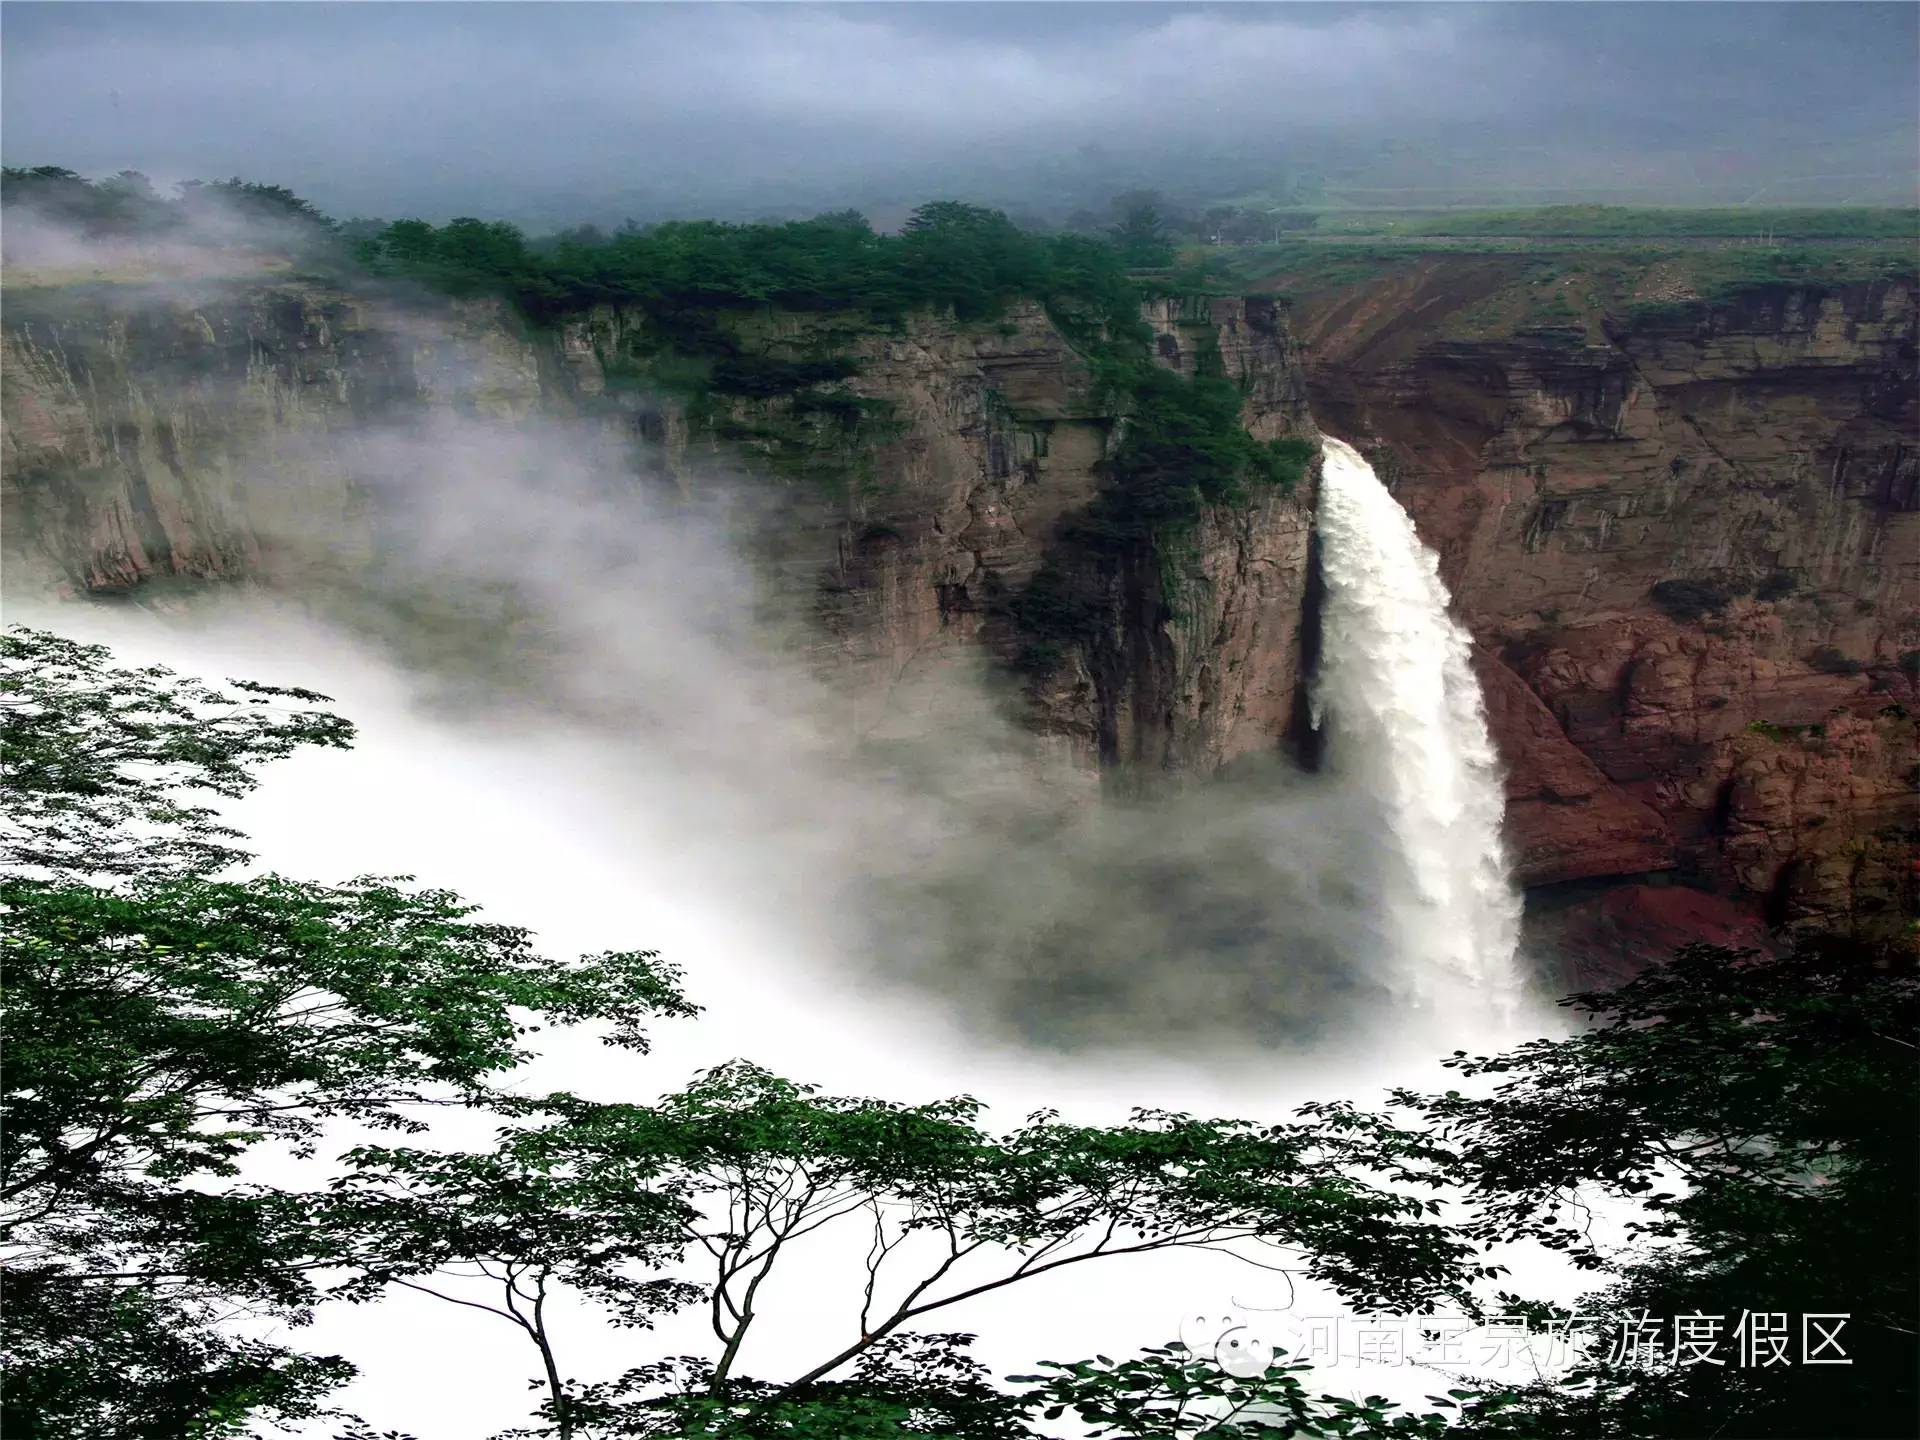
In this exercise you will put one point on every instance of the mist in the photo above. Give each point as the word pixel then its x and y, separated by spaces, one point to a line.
pixel 592 692
pixel 550 577
pixel 559 825
pixel 556 114
pixel 583 705
pixel 576 708
pixel 589 704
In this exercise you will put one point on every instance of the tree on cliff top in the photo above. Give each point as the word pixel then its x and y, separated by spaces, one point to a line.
pixel 126 206
pixel 949 254
pixel 1141 228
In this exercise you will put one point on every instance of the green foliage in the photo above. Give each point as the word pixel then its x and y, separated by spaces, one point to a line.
pixel 463 257
pixel 1595 277
pixel 965 257
pixel 1759 1110
pixel 1183 449
pixel 741 1165
pixel 903 1385
pixel 287 1002
pixel 105 766
pixel 846 219
pixel 249 199
pixel 126 205
pixel 422 1219
pixel 1166 1393
pixel 1729 275
pixel 1850 223
pixel 95 1361
pixel 1140 228
pixel 54 191
pixel 686 278
pixel 164 1020
pixel 161 1022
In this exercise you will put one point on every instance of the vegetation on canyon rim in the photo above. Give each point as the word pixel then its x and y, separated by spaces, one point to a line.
pixel 166 1022
pixel 1180 448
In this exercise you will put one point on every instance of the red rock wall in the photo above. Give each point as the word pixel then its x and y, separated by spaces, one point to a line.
pixel 1688 544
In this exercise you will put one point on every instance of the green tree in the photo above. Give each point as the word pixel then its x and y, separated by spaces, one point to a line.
pixel 53 192
pixel 1140 228
pixel 126 205
pixel 686 274
pixel 903 1385
pixel 739 1168
pixel 1761 1112
pixel 168 1022
pixel 108 769
pixel 254 200
pixel 162 1022
pixel 1168 1393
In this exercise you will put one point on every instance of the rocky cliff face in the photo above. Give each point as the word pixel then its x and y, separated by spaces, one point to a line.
pixel 1686 538
pixel 216 434
pixel 934 518
pixel 1199 659
pixel 200 433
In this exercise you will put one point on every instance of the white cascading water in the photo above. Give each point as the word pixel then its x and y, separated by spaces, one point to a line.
pixel 1405 724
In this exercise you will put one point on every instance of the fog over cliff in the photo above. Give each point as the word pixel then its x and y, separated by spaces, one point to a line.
pixel 549 114
pixel 591 699
pixel 544 578
pixel 579 708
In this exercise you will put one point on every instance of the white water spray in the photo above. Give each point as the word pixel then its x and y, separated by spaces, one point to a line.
pixel 1404 717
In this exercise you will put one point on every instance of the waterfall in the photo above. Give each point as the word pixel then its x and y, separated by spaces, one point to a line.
pixel 1406 728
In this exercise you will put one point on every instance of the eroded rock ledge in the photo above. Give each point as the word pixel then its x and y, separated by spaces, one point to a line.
pixel 1686 539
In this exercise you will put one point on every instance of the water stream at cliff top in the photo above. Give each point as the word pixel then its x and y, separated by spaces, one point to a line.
pixel 1402 710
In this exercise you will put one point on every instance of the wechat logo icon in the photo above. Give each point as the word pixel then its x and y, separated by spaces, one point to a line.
pixel 1227 1338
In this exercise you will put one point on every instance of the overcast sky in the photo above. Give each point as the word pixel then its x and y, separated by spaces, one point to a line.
pixel 556 111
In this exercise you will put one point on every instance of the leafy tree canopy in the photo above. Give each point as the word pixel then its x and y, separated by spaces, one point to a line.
pixel 126 206
pixel 948 254
pixel 167 1021
pixel 1141 228
pixel 1761 1112
pixel 162 1022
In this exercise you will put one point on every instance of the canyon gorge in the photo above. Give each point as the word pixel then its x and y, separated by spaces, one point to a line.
pixel 1683 532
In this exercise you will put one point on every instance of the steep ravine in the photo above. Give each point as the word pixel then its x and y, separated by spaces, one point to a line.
pixel 1733 746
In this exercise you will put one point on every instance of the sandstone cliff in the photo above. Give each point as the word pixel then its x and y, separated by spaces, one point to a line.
pixel 200 433
pixel 216 434
pixel 1685 535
